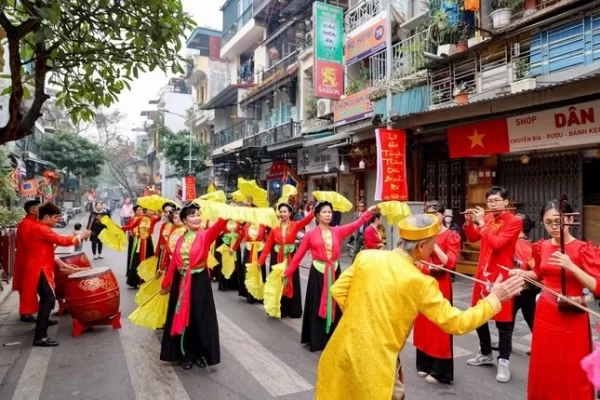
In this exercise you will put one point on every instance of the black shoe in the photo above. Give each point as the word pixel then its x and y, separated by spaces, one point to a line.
pixel 495 346
pixel 45 342
pixel 201 363
pixel 28 318
pixel 529 353
pixel 187 365
pixel 52 322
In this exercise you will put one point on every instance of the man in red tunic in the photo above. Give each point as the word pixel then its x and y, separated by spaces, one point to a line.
pixel 39 268
pixel 27 306
pixel 498 232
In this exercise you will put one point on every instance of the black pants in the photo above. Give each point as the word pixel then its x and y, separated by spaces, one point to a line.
pixel 96 244
pixel 505 330
pixel 359 241
pixel 441 369
pixel 526 303
pixel 47 300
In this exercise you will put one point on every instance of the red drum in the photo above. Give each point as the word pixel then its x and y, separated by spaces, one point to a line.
pixel 92 295
pixel 79 260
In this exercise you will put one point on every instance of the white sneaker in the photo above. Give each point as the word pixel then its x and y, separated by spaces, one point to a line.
pixel 431 379
pixel 480 359
pixel 503 374
pixel 422 374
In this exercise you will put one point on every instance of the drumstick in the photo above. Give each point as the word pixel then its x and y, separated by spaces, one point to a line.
pixel 454 272
pixel 554 293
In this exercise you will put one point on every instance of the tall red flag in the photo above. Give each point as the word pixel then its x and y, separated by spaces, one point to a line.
pixel 482 138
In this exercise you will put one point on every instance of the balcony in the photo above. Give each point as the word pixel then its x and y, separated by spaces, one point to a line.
pixel 242 35
pixel 408 63
pixel 287 62
pixel 363 12
pixel 277 134
pixel 236 132
pixel 555 54
pixel 201 116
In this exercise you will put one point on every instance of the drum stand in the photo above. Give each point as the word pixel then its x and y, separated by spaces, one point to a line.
pixel 80 327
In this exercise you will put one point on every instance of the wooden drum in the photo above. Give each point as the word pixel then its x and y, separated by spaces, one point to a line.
pixel 79 260
pixel 92 295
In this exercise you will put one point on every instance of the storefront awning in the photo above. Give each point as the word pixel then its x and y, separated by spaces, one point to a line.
pixel 287 144
pixel 226 97
pixel 328 140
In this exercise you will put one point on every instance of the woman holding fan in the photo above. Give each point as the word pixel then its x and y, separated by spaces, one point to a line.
pixel 324 242
pixel 281 246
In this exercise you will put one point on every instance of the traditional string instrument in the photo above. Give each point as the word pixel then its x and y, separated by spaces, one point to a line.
pixel 562 304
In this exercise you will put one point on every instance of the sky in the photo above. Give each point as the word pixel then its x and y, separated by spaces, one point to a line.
pixel 146 87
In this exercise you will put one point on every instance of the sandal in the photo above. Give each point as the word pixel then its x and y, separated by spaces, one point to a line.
pixel 201 363
pixel 187 365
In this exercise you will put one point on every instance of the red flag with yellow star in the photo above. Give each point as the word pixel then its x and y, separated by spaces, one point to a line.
pixel 482 138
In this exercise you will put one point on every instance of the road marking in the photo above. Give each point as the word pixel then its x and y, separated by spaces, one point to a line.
pixel 294 323
pixel 150 377
pixel 273 374
pixel 32 380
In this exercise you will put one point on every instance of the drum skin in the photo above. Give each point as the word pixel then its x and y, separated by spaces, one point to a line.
pixel 92 295
pixel 79 260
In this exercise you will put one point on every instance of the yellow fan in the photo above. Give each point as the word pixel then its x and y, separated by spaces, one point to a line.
pixel 211 188
pixel 238 196
pixel 258 216
pixel 147 290
pixel 287 191
pixel 152 203
pixel 153 313
pixel 252 191
pixel 394 211
pixel 339 202
pixel 227 261
pixel 147 268
pixel 254 282
pixel 216 196
pixel 112 236
pixel 273 291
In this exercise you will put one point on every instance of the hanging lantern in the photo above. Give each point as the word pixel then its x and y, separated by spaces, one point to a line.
pixel 273 53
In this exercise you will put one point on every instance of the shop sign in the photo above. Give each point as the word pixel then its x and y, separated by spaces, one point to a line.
pixel 366 43
pixel 560 127
pixel 391 165
pixel 329 50
pixel 312 160
pixel 353 108
pixel 576 125
pixel 364 151
pixel 189 188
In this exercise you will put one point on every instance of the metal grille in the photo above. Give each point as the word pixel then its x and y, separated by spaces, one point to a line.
pixel 445 181
pixel 545 177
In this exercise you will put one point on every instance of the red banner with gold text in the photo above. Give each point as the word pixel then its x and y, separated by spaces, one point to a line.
pixel 189 188
pixel 391 165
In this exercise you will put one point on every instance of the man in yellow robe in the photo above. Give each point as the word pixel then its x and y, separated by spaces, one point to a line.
pixel 381 295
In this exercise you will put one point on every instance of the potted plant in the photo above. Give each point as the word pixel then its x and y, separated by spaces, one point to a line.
pixel 463 33
pixel 503 10
pixel 440 33
pixel 523 81
pixel 310 106
pixel 530 7
pixel 461 93
pixel 360 83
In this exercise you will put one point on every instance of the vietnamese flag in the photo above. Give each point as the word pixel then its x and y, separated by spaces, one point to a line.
pixel 480 139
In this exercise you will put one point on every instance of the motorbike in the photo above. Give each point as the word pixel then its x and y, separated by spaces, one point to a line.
pixel 63 220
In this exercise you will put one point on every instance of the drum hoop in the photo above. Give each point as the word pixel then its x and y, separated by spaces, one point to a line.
pixel 89 273
pixel 62 256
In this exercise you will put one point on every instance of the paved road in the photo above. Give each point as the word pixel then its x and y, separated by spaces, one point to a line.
pixel 261 359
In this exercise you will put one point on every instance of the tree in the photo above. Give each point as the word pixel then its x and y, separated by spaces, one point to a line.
pixel 7 189
pixel 176 149
pixel 121 161
pixel 89 50
pixel 74 153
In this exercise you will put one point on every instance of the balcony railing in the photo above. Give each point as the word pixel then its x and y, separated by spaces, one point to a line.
pixel 407 59
pixel 245 128
pixel 237 26
pixel 277 134
pixel 283 64
pixel 362 12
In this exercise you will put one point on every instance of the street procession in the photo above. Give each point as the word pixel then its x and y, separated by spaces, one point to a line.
pixel 300 199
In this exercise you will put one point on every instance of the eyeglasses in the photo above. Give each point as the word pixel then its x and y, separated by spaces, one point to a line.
pixel 552 224
pixel 494 201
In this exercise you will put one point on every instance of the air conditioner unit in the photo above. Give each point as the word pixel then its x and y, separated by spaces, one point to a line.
pixel 324 108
